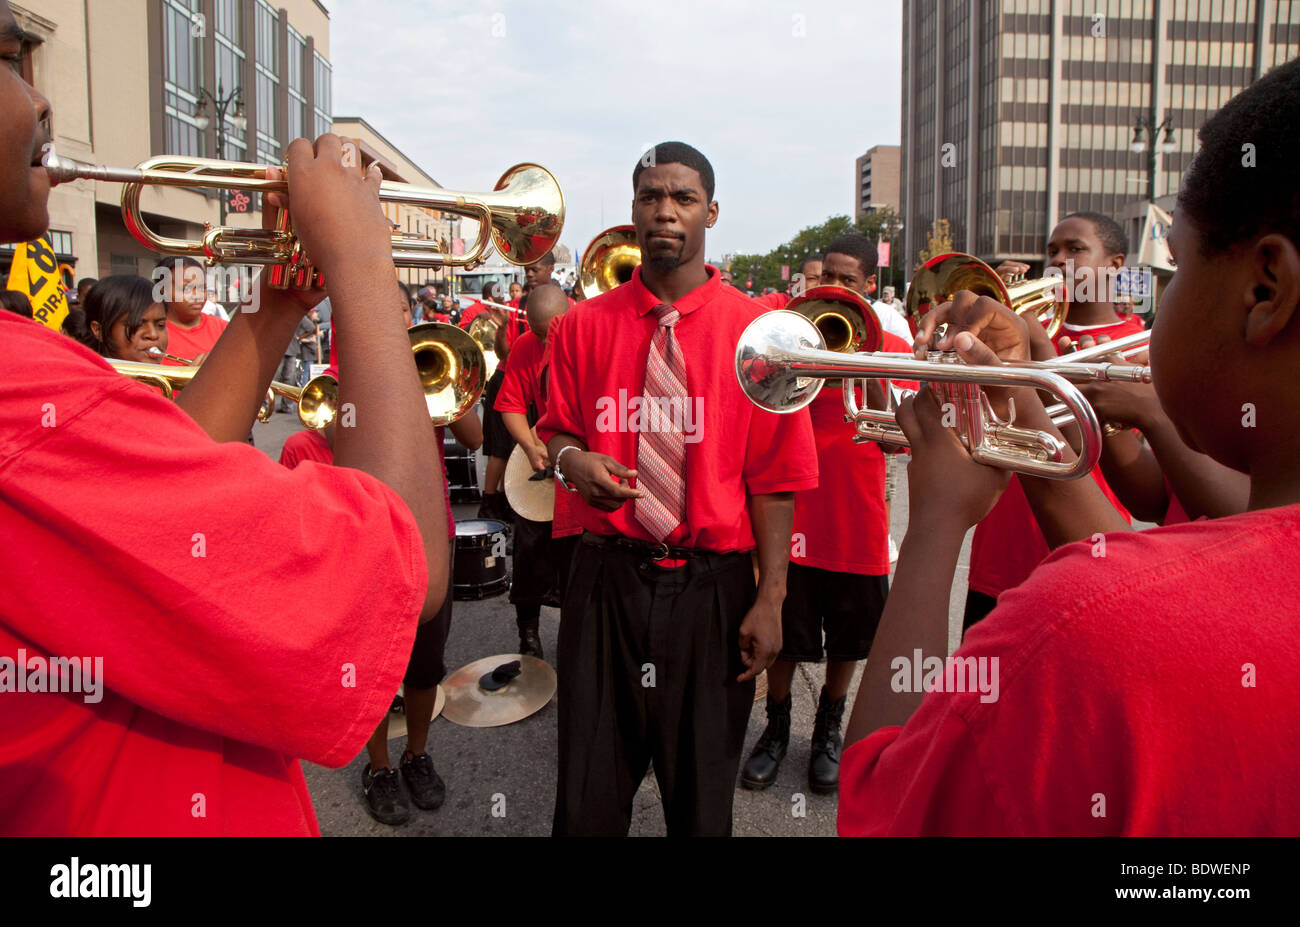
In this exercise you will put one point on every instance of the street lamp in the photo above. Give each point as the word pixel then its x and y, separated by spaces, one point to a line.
pixel 1165 145
pixel 237 119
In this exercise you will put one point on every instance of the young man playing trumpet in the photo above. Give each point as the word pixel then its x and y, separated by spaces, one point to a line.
pixel 1127 700
pixel 662 630
pixel 189 610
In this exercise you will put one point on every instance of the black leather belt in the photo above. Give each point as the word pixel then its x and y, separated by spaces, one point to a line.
pixel 650 549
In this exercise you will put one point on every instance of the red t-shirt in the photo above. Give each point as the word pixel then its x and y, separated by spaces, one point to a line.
pixel 189 343
pixel 309 445
pixel 843 524
pixel 526 382
pixel 1008 543
pixel 773 300
pixel 733 449
pixel 190 568
pixel 1127 678
pixel 470 312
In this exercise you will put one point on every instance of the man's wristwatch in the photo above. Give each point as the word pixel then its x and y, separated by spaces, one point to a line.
pixel 559 475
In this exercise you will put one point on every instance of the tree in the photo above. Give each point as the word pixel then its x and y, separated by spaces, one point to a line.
pixel 765 269
pixel 939 242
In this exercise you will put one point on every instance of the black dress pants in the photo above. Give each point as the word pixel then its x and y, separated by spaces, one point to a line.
pixel 648 660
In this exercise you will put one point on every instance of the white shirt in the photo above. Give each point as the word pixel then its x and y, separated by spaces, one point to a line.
pixel 211 308
pixel 892 322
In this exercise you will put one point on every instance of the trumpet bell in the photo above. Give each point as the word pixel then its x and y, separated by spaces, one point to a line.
pixel 847 324
pixel 1043 299
pixel 527 208
pixel 484 332
pixel 609 260
pixel 768 357
pixel 451 367
pixel 319 402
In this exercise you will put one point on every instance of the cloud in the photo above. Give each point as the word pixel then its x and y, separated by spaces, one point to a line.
pixel 465 88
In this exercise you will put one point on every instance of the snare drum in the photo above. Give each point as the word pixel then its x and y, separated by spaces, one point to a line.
pixel 479 570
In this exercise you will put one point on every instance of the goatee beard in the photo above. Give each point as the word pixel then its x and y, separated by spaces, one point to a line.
pixel 664 263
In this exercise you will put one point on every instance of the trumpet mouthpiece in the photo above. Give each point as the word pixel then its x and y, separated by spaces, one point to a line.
pixel 64 170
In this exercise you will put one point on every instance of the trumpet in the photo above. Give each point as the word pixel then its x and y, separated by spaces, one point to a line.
pixel 522 216
pixel 782 363
pixel 1043 299
pixel 609 260
pixel 842 317
pixel 448 361
pixel 1125 347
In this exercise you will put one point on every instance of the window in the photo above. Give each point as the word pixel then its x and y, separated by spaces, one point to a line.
pixel 230 72
pixel 268 83
pixel 324 99
pixel 297 121
pixel 182 68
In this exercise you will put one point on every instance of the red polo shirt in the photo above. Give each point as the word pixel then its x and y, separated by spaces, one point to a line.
pixel 471 311
pixel 186 565
pixel 1008 543
pixel 733 449
pixel 308 445
pixel 1127 699
pixel 189 343
pixel 843 524
pixel 773 300
pixel 527 373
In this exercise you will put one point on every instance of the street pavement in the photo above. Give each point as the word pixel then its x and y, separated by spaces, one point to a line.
pixel 501 781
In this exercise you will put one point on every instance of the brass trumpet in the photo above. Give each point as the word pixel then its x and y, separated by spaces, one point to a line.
pixel 609 260
pixel 522 216
pixel 1042 299
pixel 449 362
pixel 843 318
pixel 782 363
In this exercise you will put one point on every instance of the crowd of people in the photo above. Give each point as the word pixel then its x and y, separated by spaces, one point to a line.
pixel 1140 683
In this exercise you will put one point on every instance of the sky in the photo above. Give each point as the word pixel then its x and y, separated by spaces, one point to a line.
pixel 781 97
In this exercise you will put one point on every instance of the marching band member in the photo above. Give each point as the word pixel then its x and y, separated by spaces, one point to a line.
pixel 1125 688
pixel 124 319
pixel 810 272
pixel 1167 482
pixel 1009 542
pixel 541 562
pixel 185 733
pixel 192 332
pixel 662 630
pixel 839 560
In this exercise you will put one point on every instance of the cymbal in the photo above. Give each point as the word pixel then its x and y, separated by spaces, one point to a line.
pixel 468 704
pixel 397 720
pixel 534 499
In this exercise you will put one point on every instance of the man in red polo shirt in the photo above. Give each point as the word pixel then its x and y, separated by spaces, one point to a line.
pixel 179 285
pixel 662 630
pixel 1144 687
pixel 189 608
pixel 839 570
pixel 541 559
pixel 1009 543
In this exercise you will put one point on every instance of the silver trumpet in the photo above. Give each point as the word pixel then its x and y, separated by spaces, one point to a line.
pixel 1126 347
pixel 782 364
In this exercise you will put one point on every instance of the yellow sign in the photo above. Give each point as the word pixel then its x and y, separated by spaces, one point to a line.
pixel 35 274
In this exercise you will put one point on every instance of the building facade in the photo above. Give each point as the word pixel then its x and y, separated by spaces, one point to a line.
pixel 1017 112
pixel 875 180
pixel 129 80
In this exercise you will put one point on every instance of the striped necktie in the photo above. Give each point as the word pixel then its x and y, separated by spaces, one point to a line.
pixel 661 446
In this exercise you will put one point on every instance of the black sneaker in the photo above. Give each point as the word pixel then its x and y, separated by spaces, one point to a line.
pixel 384 798
pixel 427 788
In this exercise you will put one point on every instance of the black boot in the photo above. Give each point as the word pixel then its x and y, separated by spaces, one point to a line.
pixel 761 767
pixel 530 641
pixel 824 764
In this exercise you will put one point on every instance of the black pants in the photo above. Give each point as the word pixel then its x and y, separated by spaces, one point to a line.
pixel 648 664
pixel 978 606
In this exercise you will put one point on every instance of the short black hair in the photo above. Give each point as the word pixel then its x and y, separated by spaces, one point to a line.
pixel 86 281
pixel 1245 180
pixel 676 153
pixel 810 258
pixel 548 259
pixel 490 288
pixel 855 246
pixel 1107 229
pixel 16 301
pixel 174 263
pixel 120 296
